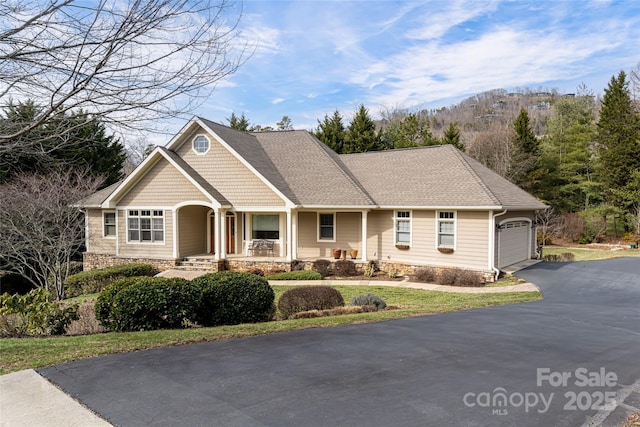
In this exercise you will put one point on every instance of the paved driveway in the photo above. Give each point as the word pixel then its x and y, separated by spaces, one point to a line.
pixel 501 366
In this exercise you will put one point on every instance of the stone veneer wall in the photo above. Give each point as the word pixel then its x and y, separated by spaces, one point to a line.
pixel 92 261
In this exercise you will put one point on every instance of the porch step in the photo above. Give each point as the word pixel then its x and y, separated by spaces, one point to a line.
pixel 192 264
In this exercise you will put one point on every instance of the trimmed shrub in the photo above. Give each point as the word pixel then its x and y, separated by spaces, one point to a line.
pixel 104 302
pixel 426 274
pixel 336 311
pixel 31 314
pixel 369 299
pixel 88 282
pixel 469 278
pixel 161 303
pixel 232 297
pixel 309 298
pixel 345 268
pixel 447 277
pixel 296 275
pixel 297 265
pixel 551 258
pixel 322 266
pixel 567 256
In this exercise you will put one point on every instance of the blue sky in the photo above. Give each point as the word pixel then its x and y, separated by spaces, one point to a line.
pixel 311 57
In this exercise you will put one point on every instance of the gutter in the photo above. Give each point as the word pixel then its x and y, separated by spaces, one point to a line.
pixel 493 248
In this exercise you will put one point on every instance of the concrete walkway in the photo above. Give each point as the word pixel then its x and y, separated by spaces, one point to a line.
pixel 27 399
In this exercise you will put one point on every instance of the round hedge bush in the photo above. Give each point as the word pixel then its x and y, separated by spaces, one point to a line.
pixel 159 303
pixel 232 297
pixel 369 299
pixel 104 302
pixel 309 298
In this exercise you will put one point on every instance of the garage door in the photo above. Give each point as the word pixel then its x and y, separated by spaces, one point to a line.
pixel 513 243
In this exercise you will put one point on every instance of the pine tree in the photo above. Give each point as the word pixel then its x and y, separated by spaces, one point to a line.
pixel 69 141
pixel 238 123
pixel 619 143
pixel 412 131
pixel 361 135
pixel 523 160
pixel 331 131
pixel 452 136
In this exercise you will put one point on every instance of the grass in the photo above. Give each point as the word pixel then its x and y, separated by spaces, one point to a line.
pixel 591 254
pixel 507 280
pixel 25 353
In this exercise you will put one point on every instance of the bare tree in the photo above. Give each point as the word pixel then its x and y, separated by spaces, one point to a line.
pixel 130 63
pixel 547 222
pixel 40 229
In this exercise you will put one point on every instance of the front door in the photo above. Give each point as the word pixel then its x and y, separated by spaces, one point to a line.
pixel 231 233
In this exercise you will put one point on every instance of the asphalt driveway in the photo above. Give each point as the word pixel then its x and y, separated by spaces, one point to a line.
pixel 533 364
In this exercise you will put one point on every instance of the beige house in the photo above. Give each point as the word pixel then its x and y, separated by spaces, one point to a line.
pixel 221 198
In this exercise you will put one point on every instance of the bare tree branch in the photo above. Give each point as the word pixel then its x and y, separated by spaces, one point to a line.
pixel 40 229
pixel 128 63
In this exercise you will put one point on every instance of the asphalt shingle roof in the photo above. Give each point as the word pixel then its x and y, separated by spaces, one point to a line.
pixel 310 174
pixel 434 176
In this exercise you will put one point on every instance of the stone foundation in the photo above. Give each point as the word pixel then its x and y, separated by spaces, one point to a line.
pixel 92 261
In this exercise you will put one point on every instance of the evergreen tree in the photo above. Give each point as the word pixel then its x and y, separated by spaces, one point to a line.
pixel 452 136
pixel 411 131
pixel 361 135
pixel 238 123
pixel 523 162
pixel 569 181
pixel 76 141
pixel 331 132
pixel 618 139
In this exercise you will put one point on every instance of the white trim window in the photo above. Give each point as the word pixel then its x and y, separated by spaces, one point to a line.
pixel 109 224
pixel 145 225
pixel 402 227
pixel 201 144
pixel 446 229
pixel 327 227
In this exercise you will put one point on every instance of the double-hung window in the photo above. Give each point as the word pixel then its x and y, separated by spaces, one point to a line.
pixel 403 228
pixel 109 219
pixel 145 225
pixel 326 227
pixel 446 229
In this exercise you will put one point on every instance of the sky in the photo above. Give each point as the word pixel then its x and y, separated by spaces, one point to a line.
pixel 310 58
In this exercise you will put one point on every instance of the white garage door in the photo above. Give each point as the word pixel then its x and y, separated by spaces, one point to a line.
pixel 514 243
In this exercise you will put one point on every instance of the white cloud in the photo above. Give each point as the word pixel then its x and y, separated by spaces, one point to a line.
pixel 277 101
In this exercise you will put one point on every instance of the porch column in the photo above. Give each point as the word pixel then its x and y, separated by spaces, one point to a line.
pixel 292 235
pixel 222 220
pixel 364 236
pixel 216 234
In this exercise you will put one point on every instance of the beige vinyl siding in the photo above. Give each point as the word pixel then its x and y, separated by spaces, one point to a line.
pixel 228 175
pixel 348 230
pixel 192 230
pixel 97 242
pixel 146 250
pixel 163 185
pixel 471 239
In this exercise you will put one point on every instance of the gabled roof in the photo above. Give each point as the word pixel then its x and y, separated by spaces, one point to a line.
pixel 306 173
pixel 314 173
pixel 437 176
pixel 186 170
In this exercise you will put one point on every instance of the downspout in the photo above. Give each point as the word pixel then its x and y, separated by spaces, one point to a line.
pixel 493 249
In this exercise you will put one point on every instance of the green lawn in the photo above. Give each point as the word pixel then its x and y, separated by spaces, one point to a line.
pixel 591 254
pixel 24 353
